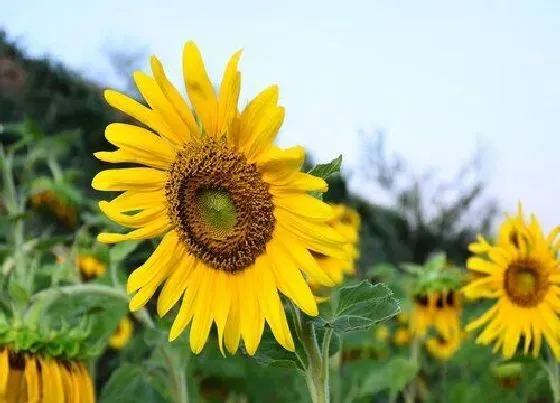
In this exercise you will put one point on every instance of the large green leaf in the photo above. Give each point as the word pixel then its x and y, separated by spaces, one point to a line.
pixel 358 307
pixel 395 375
pixel 272 354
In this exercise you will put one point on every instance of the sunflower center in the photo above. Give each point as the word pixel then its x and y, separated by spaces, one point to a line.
pixel 220 205
pixel 525 284
pixel 217 209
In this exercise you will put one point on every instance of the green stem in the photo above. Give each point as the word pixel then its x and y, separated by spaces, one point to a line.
pixel 553 370
pixel 317 372
pixel 410 391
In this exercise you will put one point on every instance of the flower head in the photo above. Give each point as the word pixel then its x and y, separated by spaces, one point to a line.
pixel 521 273
pixel 235 212
pixel 28 377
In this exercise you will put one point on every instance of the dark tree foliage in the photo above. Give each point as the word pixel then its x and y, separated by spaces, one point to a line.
pixel 56 100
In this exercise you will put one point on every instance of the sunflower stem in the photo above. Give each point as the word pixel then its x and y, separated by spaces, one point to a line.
pixel 317 372
pixel 410 391
pixel 553 371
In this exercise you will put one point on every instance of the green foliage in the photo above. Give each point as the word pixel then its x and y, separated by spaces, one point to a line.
pixel 358 307
pixel 325 171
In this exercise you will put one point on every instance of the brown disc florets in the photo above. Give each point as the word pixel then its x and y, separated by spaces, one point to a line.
pixel 220 205
pixel 525 284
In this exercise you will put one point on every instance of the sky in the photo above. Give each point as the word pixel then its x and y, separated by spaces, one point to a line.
pixel 442 80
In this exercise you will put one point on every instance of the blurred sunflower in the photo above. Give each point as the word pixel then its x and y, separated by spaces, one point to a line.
pixel 440 310
pixel 57 206
pixel 122 334
pixel 401 336
pixel 90 267
pixel 26 377
pixel 521 273
pixel 237 219
pixel 442 347
pixel 346 222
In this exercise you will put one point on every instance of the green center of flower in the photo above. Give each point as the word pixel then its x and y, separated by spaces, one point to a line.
pixel 525 284
pixel 217 209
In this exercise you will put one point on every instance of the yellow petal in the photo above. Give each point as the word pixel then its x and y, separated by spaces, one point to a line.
pixel 134 200
pixel 167 251
pixel 138 178
pixel 142 143
pixel 203 314
pixel 175 98
pixel 199 88
pixel 229 94
pixel 139 112
pixel 232 331
pixel 154 96
pixel 252 114
pixel 140 219
pixel 186 310
pixel 269 301
pixel 251 316
pixel 302 258
pixel 52 382
pixel 221 303
pixel 290 281
pixel 4 371
pixel 175 285
pixel 33 384
pixel 265 130
pixel 305 206
pixel 152 230
pixel 300 182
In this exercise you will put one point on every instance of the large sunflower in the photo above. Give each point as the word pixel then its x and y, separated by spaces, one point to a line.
pixel 237 219
pixel 521 272
pixel 26 377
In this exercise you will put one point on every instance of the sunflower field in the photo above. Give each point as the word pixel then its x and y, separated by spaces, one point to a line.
pixel 159 246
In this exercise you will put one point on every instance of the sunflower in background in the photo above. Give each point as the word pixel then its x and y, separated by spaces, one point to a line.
pixel 122 334
pixel 28 377
pixel 521 273
pixel 436 302
pixel 235 211
pixel 346 222
pixel 90 267
pixel 401 336
pixel 60 208
pixel 443 348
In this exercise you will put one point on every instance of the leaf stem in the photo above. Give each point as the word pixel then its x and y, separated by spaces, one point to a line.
pixel 410 391
pixel 317 371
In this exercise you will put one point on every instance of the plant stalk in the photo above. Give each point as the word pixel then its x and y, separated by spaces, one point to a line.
pixel 317 372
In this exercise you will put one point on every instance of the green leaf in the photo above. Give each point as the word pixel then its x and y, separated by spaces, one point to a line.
pixel 437 261
pixel 18 293
pixel 121 250
pixel 326 170
pixel 128 383
pixel 395 375
pixel 358 307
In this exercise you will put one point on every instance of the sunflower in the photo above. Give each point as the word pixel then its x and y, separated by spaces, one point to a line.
pixel 235 211
pixel 440 310
pixel 122 334
pixel 57 206
pixel 442 347
pixel 26 377
pixel 521 273
pixel 346 222
pixel 90 267
pixel 401 336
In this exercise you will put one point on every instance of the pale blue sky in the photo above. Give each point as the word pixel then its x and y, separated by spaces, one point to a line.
pixel 442 79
